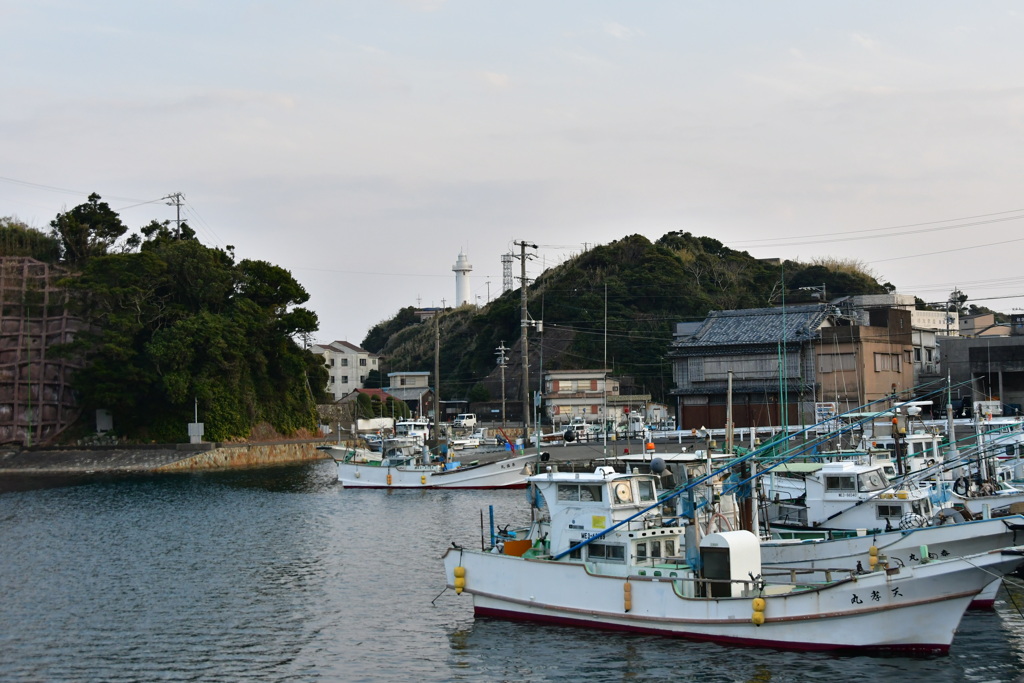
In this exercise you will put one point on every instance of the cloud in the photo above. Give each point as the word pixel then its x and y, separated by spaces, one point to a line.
pixel 866 42
pixel 621 32
pixel 495 79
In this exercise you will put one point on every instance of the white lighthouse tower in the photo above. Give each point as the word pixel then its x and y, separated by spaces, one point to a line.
pixel 462 269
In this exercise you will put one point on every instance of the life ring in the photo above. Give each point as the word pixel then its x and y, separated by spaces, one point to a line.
pixel 961 486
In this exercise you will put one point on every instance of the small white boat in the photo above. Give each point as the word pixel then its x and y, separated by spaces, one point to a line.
pixel 359 468
pixel 417 429
pixel 600 554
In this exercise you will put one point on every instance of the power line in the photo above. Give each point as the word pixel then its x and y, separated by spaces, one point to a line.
pixel 893 227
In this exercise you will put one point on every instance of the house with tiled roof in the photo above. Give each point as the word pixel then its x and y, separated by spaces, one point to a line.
pixel 347 366
pixel 783 361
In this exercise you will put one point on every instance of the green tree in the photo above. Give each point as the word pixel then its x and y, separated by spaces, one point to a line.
pixel 177 323
pixel 87 230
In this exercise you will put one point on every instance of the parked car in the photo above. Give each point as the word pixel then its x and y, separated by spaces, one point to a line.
pixel 465 420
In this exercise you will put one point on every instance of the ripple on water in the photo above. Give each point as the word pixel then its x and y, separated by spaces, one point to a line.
pixel 279 574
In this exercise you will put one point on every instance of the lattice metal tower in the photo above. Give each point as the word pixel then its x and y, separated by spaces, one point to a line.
pixel 506 272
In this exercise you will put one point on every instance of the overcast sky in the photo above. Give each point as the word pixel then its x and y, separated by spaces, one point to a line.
pixel 363 145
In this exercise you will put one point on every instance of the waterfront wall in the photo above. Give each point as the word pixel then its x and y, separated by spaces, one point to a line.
pixel 155 457
pixel 239 456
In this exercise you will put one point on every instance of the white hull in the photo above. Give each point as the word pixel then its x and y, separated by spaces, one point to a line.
pixel 900 547
pixel 509 473
pixel 915 608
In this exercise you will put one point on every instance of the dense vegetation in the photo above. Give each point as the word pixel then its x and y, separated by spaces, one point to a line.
pixel 645 288
pixel 172 326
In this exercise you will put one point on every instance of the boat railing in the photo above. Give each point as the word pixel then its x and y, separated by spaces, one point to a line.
pixel 776 582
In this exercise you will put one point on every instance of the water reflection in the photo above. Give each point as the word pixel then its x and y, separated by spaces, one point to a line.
pixel 280 574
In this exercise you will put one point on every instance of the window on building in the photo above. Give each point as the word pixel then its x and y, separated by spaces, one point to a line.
pixel 362 361
pixel 593 385
pixel 331 363
pixel 917 355
pixel 836 362
pixel 362 378
pixel 332 379
pixel 888 362
pixel 928 355
pixel 344 379
pixel 344 362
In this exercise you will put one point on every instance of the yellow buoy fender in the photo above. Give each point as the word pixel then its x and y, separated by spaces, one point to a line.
pixel 758 605
pixel 460 579
pixel 627 596
pixel 423 479
pixel 389 479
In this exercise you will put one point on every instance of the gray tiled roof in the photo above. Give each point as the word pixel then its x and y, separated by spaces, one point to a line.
pixel 758 326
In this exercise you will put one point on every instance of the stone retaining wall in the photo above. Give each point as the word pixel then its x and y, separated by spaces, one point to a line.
pixel 236 456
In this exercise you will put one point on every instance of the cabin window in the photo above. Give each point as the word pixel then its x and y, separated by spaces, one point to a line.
pixel 587 493
pixel 872 481
pixel 606 551
pixel 889 510
pixel 839 483
pixel 568 492
pixel 646 488
pixel 641 551
pixel 655 549
pixel 670 547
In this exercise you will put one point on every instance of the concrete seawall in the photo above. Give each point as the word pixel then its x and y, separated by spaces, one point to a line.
pixel 156 458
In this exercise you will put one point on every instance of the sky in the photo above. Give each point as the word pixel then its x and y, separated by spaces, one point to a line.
pixel 364 145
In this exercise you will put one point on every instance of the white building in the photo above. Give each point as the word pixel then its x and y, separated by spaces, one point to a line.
pixel 462 289
pixel 348 366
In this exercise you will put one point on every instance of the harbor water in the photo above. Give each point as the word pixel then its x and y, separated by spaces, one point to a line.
pixel 279 574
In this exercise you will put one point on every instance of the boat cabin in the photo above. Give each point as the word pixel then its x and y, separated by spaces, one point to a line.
pixel 582 505
pixel 844 495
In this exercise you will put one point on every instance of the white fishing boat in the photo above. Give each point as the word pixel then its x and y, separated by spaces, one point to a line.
pixel 599 553
pixel 900 548
pixel 414 428
pixel 843 495
pixel 948 535
pixel 405 469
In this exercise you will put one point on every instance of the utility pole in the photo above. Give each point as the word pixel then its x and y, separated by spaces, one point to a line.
pixel 176 200
pixel 525 338
pixel 437 378
pixel 501 363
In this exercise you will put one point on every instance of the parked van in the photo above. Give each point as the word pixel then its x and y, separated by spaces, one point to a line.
pixel 465 420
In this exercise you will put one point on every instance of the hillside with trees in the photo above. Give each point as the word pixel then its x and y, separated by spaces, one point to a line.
pixel 171 327
pixel 613 306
